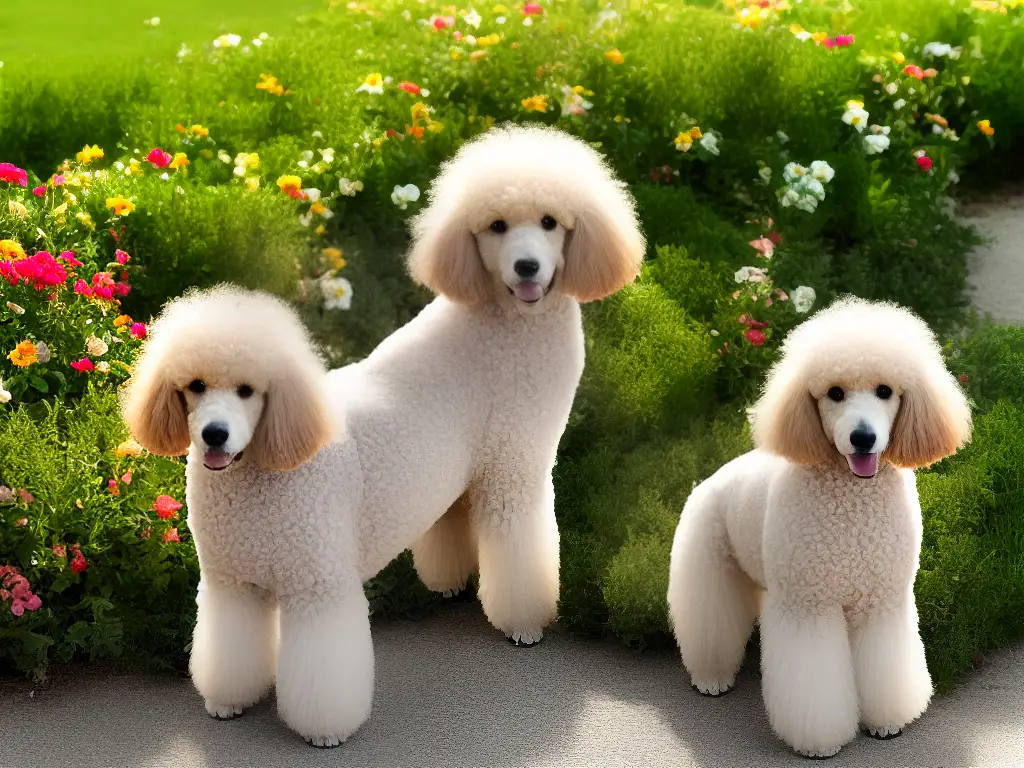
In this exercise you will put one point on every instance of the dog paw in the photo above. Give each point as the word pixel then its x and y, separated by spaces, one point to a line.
pixel 526 638
pixel 325 742
pixel 448 594
pixel 223 711
pixel 819 754
pixel 883 732
pixel 712 687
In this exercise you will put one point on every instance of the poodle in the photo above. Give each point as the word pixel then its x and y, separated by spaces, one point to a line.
pixel 303 484
pixel 817 532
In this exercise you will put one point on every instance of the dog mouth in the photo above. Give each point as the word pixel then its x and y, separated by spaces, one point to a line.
pixel 863 464
pixel 216 460
pixel 528 291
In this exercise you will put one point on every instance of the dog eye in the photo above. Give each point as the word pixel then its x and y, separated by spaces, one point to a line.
pixel 499 227
pixel 883 392
pixel 245 391
pixel 548 222
pixel 837 394
pixel 197 387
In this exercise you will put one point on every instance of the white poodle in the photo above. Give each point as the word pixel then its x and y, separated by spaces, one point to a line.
pixel 818 531
pixel 302 485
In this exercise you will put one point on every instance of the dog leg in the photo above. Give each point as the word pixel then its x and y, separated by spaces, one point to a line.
pixel 712 603
pixel 808 680
pixel 445 556
pixel 892 676
pixel 518 546
pixel 234 646
pixel 325 665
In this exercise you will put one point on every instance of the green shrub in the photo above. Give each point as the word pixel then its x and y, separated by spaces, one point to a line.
pixel 990 362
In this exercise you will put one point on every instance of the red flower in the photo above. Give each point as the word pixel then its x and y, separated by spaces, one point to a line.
pixel 166 507
pixel 13 174
pixel 138 330
pixel 755 337
pixel 68 257
pixel 39 191
pixel 159 158
pixel 440 22
pixel 410 88
pixel 924 163
pixel 914 71
pixel 171 534
pixel 531 8
pixel 121 256
pixel 963 379
pixel 775 237
pixel 78 563
pixel 85 365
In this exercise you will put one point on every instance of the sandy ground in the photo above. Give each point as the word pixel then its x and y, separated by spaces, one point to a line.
pixel 997 268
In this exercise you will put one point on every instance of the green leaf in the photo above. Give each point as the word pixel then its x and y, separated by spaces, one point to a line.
pixel 39 384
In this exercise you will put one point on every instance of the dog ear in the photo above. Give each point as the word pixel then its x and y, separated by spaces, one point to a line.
pixel 444 257
pixel 295 423
pixel 603 253
pixel 154 409
pixel 934 421
pixel 787 423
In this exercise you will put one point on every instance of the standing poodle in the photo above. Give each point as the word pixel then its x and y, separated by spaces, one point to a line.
pixel 457 415
pixel 818 531
pixel 301 485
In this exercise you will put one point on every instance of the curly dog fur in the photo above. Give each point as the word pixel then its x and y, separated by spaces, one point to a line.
pixel 302 484
pixel 817 532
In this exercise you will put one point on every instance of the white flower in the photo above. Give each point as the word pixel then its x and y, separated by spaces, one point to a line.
pixel 165 176
pixel 337 292
pixel 803 35
pixel 822 171
pixel 500 20
pixel 765 174
pixel 238 170
pixel 803 298
pixel 472 18
pixel 377 89
pixel 328 155
pixel 782 137
pixel 306 218
pixel 807 203
pixel 16 309
pixel 97 347
pixel 855 115
pixel 153 22
pixel 793 172
pixel 528 21
pixel 891 88
pixel 103 366
pixel 713 332
pixel 119 165
pixel 223 156
pixel 814 188
pixel 302 164
pixel 899 104
pixel 750 275
pixel 605 16
pixel 937 129
pixel 402 196
pixel 349 188
pixel 710 142
pixel 264 36
pixel 788 197
pixel 876 144
pixel 5 396
pixel 942 49
pixel 317 135
pixel 953 177
pixel 257 42
pixel 313 194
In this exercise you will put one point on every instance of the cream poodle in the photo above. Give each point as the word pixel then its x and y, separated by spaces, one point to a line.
pixel 301 485
pixel 817 533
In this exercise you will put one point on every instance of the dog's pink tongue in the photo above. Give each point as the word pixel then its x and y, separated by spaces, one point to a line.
pixel 863 465
pixel 217 459
pixel 528 291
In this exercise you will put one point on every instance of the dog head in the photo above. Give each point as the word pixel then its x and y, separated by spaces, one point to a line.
pixel 863 384
pixel 233 374
pixel 523 213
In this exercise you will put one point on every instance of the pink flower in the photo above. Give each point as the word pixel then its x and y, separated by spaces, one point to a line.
pixel 112 483
pixel 159 158
pixel 68 257
pixel 166 507
pixel 830 43
pixel 85 365
pixel 59 180
pixel 121 256
pixel 39 191
pixel 122 289
pixel 41 269
pixel 930 72
pixel 750 322
pixel 410 88
pixel 126 478
pixel 103 285
pixel 764 245
pixel 844 40
pixel 914 71
pixel 27 497
pixel 456 35
pixel 13 174
pixel 963 378
pixel 21 522
pixel 755 337
pixel 531 8
pixel 924 163
pixel 171 534
pixel 59 550
pixel 139 330
pixel 82 288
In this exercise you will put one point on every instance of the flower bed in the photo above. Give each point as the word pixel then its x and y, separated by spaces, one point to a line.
pixel 277 165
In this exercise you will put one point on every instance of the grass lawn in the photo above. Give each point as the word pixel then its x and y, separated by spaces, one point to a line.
pixel 71 34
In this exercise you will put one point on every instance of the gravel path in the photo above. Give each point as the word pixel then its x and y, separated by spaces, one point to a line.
pixel 997 268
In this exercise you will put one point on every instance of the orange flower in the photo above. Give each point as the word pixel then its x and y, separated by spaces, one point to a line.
pixel 179 128
pixel 614 56
pixel 120 205
pixel 290 185
pixel 11 249
pixel 24 354
pixel 270 84
pixel 535 104
pixel 122 320
pixel 985 126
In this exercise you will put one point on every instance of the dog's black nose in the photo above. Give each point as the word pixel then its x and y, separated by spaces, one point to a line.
pixel 862 439
pixel 215 435
pixel 527 267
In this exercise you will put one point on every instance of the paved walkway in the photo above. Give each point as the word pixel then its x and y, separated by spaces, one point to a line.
pixel 996 282
pixel 452 692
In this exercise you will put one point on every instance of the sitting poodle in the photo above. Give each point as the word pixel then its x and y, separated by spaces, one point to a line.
pixel 818 531
pixel 302 485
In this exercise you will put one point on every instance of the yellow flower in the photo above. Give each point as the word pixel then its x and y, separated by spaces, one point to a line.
pixel 457 54
pixel 134 168
pixel 374 83
pixel 317 208
pixel 17 209
pixel 11 249
pixel 128 448
pixel 180 159
pixel 435 126
pixel 819 37
pixel 477 55
pixel 86 220
pixel 88 154
pixel 252 183
pixel 252 160
pixel 24 354
pixel 270 84
pixel 535 104
pixel 290 185
pixel 122 320
pixel 200 131
pixel 500 9
pixel 614 56
pixel 321 230
pixel 333 257
pixel 488 40
pixel 854 104
pixel 985 126
pixel 420 112
pixel 898 57
pixel 684 141
pixel 622 119
pixel 120 205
